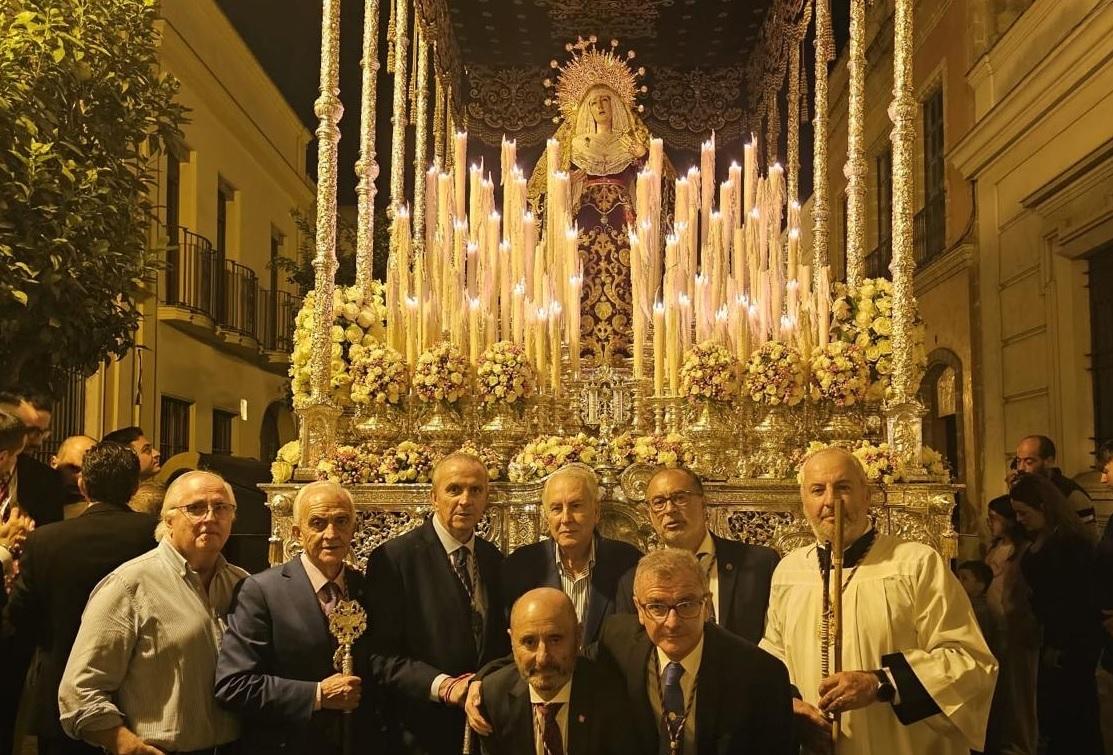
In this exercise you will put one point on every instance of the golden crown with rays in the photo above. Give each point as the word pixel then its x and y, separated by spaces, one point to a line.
pixel 590 67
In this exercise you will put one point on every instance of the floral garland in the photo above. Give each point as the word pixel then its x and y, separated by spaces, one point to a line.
pixel 548 453
pixel 488 457
pixel 658 449
pixel 505 374
pixel 883 464
pixel 709 371
pixel 864 316
pixel 282 468
pixel 407 462
pixel 379 375
pixel 775 375
pixel 357 323
pixel 348 465
pixel 839 374
pixel 441 374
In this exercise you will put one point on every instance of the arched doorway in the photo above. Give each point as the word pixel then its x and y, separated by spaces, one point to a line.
pixel 941 396
pixel 277 430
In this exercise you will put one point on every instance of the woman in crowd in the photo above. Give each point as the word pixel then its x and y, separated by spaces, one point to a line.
pixel 1012 720
pixel 1058 567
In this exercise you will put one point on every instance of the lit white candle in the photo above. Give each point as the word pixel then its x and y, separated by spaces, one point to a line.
pixel 460 175
pixel 473 331
pixel 658 349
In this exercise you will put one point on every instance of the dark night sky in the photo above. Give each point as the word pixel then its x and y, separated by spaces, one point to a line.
pixel 285 37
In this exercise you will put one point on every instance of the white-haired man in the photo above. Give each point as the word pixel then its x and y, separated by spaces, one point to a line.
pixel 575 558
pixel 140 675
pixel 437 612
pixel 920 677
pixel 276 662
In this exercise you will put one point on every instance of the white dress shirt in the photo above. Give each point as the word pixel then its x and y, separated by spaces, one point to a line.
pixel 479 596
pixel 563 695
pixel 656 689
pixel 576 586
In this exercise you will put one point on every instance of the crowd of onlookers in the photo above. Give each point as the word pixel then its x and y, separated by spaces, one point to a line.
pixel 1043 595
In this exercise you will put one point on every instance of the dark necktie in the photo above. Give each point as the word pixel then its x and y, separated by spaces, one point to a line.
pixel 672 707
pixel 330 596
pixel 550 729
pixel 707 561
pixel 460 564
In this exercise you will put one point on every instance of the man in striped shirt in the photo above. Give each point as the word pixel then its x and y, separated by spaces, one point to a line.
pixel 140 675
pixel 576 558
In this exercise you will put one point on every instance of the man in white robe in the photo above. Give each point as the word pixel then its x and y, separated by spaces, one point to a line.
pixel 919 675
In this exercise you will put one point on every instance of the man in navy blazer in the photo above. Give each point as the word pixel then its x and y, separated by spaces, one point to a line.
pixel 576 558
pixel 436 614
pixel 739 573
pixel 276 661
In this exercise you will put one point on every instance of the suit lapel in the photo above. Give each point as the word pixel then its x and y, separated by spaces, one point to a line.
pixel 638 678
pixel 552 575
pixel 519 730
pixel 709 692
pixel 728 576
pixel 581 712
pixel 306 609
pixel 597 600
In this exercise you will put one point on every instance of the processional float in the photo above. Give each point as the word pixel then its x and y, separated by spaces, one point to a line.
pixel 733 349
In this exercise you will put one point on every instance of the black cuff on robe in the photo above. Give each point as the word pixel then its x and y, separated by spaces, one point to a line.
pixel 915 702
pixel 795 691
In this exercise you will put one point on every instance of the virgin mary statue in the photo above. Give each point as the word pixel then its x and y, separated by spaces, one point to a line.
pixel 603 145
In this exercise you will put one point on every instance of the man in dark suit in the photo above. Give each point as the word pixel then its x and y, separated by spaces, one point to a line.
pixel 550 700
pixel 60 566
pixel 35 488
pixel 739 574
pixel 575 558
pixel 436 613
pixel 276 660
pixel 693 686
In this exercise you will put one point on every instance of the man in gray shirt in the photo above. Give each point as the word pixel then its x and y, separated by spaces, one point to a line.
pixel 145 656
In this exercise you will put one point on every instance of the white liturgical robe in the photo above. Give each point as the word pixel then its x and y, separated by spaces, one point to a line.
pixel 904 611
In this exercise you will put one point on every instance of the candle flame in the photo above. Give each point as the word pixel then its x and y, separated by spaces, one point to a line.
pixel 473 304
pixel 659 307
pixel 683 299
pixel 794 233
pixel 472 247
pixel 411 302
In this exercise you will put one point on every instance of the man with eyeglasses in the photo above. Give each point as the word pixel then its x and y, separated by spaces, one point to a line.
pixel 141 673
pixel 60 566
pixel 694 688
pixel 739 574
pixel 276 663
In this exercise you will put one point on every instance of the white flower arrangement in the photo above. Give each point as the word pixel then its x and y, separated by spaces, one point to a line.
pixel 357 323
pixel 287 460
pixel 488 457
pixel 505 374
pixel 839 374
pixel 709 371
pixel 441 374
pixel 408 462
pixel 548 453
pixel 775 375
pixel 379 376
pixel 864 316
pixel 883 465
pixel 657 449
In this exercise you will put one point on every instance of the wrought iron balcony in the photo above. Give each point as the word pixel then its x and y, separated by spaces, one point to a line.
pixel 190 268
pixel 929 234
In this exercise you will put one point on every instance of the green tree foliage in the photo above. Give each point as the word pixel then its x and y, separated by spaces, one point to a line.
pixel 84 113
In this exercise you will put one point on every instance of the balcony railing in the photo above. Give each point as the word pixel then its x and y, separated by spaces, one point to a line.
pixel 930 229
pixel 277 310
pixel 229 295
pixel 241 290
pixel 190 267
pixel 877 262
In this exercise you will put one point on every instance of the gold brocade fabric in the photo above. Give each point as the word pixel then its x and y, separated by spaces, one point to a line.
pixel 605 311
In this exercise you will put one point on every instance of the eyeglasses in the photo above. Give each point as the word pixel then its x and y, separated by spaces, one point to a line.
pixel 197 511
pixel 680 499
pixel 685 609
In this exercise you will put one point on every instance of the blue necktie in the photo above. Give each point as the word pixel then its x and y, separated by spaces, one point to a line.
pixel 672 706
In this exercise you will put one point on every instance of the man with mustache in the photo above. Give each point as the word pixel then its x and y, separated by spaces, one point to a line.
pixel 276 661
pixel 575 558
pixel 550 701
pixel 919 676
pixel 738 573
pixel 436 613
